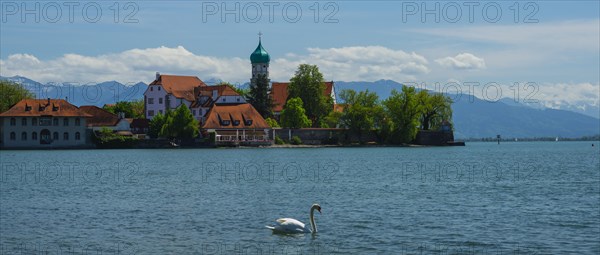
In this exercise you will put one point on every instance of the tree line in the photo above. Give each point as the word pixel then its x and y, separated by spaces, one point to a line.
pixel 394 120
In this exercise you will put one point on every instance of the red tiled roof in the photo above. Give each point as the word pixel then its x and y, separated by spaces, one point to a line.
pixel 279 93
pixel 223 90
pixel 247 116
pixel 44 107
pixel 178 85
pixel 99 117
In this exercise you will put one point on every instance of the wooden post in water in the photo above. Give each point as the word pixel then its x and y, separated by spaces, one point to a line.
pixel 498 137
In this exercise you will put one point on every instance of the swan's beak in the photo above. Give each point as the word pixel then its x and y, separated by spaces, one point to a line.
pixel 319 209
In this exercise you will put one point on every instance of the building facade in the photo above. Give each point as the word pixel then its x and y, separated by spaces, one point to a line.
pixel 43 123
pixel 168 92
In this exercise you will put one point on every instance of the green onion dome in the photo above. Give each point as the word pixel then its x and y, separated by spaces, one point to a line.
pixel 260 55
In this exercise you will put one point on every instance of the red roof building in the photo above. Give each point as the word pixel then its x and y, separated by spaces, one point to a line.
pixel 43 123
pixel 234 116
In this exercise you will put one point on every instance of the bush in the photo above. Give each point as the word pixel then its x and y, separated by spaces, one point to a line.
pixel 296 140
pixel 279 141
pixel 107 139
pixel 272 122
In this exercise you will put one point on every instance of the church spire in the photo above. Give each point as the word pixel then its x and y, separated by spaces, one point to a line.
pixel 260 61
pixel 260 55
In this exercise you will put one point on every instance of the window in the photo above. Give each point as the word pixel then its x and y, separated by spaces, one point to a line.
pixel 66 136
pixel 34 121
pixel 45 121
pixel 158 88
pixel 150 113
pixel 248 122
pixel 24 136
pixel 194 112
pixel 13 136
pixel 65 121
pixel 45 137
pixel 77 136
pixel 151 88
pixel 55 136
pixel 34 136
pixel 150 100
pixel 23 121
pixel 160 111
pixel 55 122
pixel 13 122
pixel 160 100
pixel 77 122
pixel 238 99
pixel 236 122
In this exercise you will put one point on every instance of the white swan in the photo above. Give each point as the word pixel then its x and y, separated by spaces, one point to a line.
pixel 293 226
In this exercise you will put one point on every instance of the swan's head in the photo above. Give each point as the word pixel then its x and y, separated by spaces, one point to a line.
pixel 317 207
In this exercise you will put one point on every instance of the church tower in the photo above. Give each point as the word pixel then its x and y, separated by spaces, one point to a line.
pixel 260 62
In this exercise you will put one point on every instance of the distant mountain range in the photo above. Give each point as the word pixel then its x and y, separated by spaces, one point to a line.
pixel 473 117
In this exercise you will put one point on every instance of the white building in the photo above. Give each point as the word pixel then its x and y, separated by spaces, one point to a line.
pixel 43 123
pixel 169 92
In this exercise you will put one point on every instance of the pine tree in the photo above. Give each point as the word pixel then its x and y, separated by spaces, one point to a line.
pixel 259 97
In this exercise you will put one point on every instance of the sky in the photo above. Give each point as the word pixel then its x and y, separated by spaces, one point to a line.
pixel 549 49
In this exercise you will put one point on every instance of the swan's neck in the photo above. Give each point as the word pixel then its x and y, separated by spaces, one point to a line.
pixel 313 225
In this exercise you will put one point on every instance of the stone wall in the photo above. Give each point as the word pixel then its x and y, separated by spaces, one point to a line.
pixel 436 138
pixel 317 136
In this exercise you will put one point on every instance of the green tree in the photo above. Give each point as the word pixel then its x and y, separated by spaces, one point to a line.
pixel 156 124
pixel 403 111
pixel 332 120
pixel 308 85
pixel 133 109
pixel 362 111
pixel 137 109
pixel 435 109
pixel 293 115
pixel 180 124
pixel 272 122
pixel 11 93
pixel 259 96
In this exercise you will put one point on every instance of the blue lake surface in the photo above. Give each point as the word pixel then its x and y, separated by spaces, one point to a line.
pixel 513 198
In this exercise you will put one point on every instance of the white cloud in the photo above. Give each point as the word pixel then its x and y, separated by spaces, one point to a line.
pixel 462 61
pixel 355 63
pixel 128 66
pixel 348 63
pixel 553 95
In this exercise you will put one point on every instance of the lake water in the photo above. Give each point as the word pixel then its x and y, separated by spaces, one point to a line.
pixel 513 198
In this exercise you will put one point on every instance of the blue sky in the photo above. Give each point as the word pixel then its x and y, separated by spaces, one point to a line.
pixel 552 43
